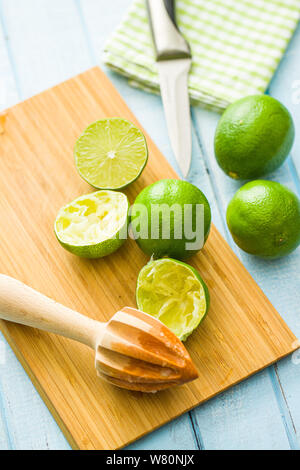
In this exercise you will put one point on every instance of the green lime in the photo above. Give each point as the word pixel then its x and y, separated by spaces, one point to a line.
pixel 94 225
pixel 173 292
pixel 264 219
pixel 253 137
pixel 171 218
pixel 111 153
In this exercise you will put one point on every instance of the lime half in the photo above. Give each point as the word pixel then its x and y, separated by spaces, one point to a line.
pixel 94 225
pixel 111 153
pixel 173 292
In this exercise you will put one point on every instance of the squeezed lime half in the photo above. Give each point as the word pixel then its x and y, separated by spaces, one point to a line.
pixel 94 225
pixel 111 153
pixel 174 293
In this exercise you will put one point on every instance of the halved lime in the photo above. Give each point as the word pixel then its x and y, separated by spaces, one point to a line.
pixel 173 292
pixel 111 153
pixel 93 225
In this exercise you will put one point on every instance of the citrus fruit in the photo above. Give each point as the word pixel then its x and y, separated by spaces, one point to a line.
pixel 170 218
pixel 253 137
pixel 173 292
pixel 264 219
pixel 111 153
pixel 94 225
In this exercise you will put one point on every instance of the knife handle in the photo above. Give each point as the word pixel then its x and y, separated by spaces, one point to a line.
pixel 168 41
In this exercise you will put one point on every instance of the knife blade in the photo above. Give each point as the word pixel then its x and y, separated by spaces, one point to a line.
pixel 174 60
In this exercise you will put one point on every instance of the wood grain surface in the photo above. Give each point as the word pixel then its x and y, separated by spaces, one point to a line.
pixel 241 335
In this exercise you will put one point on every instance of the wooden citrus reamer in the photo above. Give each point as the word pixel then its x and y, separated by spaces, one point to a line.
pixel 133 350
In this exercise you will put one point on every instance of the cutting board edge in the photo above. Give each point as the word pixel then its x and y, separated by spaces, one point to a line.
pixel 37 385
pixel 35 380
pixel 233 384
pixel 60 422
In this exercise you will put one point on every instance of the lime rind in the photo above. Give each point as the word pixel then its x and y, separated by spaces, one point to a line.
pixel 93 225
pixel 111 153
pixel 174 293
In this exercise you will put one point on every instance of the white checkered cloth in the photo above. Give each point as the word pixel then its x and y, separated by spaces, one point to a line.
pixel 236 46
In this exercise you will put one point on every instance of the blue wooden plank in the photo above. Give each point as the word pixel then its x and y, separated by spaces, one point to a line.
pixel 6 439
pixel 179 434
pixel 46 42
pixel 270 275
pixel 243 419
pixel 286 87
pixel 287 417
pixel 29 423
pixel 8 94
pixel 8 91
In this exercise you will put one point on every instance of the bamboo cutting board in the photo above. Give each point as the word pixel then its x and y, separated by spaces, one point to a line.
pixel 241 335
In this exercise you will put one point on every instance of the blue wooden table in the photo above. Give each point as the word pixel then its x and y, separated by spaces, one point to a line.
pixel 43 42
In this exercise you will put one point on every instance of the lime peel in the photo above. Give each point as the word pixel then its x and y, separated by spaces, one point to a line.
pixel 174 293
pixel 91 225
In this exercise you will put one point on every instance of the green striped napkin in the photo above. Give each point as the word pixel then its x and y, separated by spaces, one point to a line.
pixel 236 46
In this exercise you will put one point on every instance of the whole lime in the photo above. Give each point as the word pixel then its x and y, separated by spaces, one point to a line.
pixel 171 218
pixel 264 219
pixel 253 137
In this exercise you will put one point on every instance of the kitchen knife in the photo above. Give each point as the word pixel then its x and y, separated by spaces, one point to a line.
pixel 174 60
